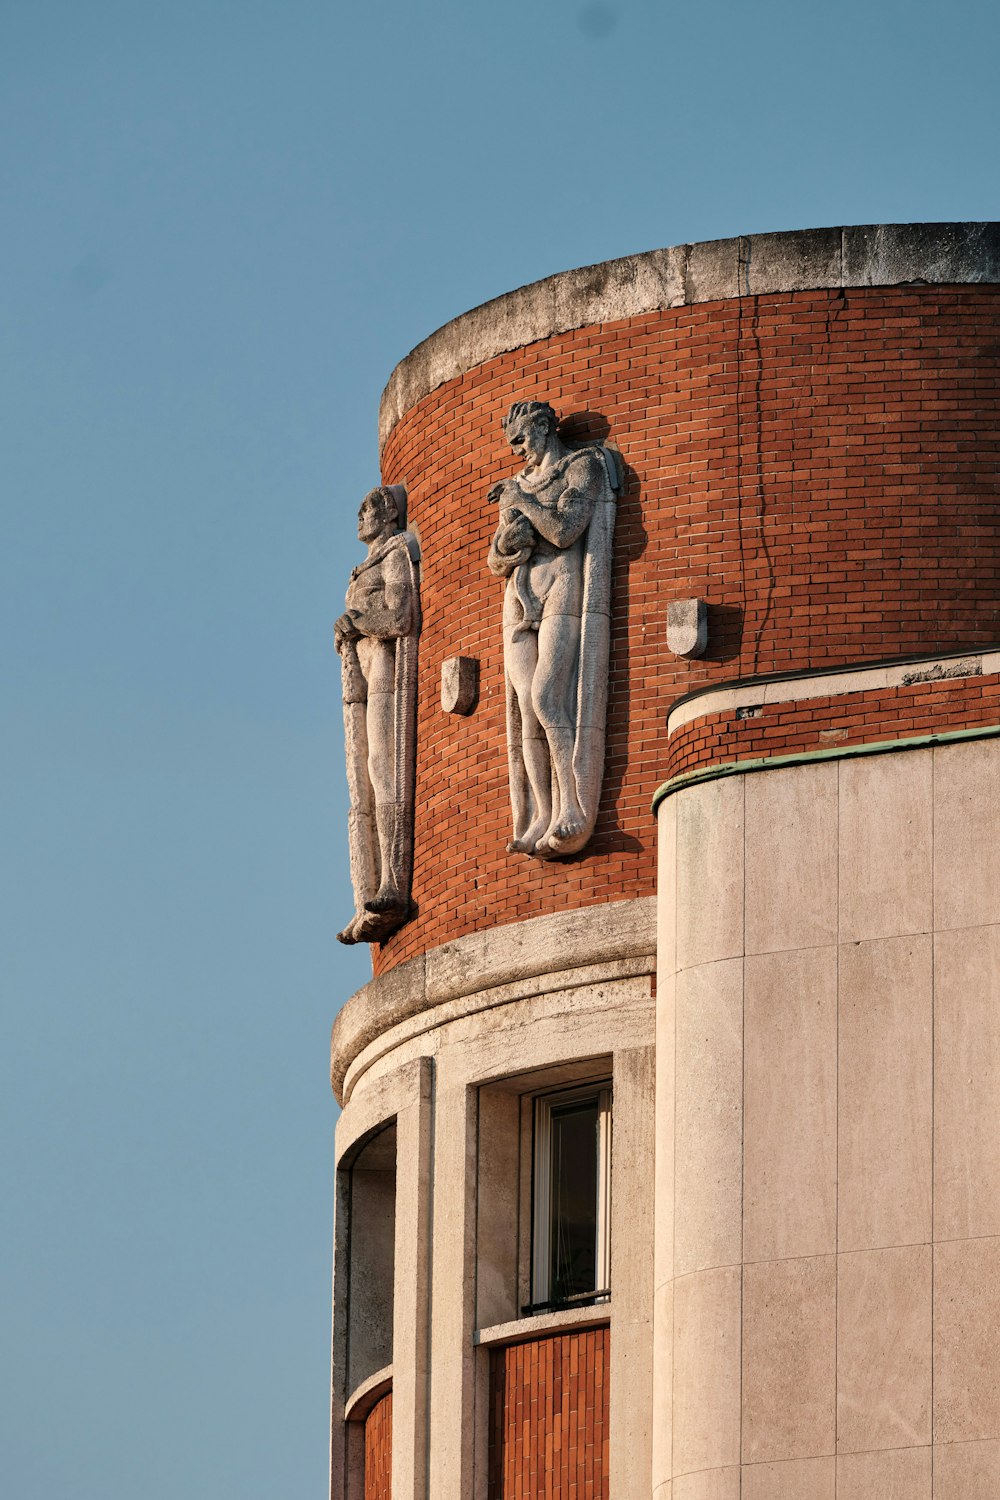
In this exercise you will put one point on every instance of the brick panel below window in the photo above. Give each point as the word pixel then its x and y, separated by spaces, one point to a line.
pixel 549 1418
pixel 378 1450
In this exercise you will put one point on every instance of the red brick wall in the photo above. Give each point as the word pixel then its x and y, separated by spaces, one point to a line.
pixel 378 1450
pixel 549 1418
pixel 828 723
pixel 822 467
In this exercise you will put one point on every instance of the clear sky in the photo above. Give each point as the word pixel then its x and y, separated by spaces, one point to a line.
pixel 224 222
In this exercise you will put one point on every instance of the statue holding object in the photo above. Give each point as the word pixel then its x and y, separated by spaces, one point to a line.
pixel 553 544
pixel 376 638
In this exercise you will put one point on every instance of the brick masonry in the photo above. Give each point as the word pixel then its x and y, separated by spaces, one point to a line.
pixel 378 1450
pixel 822 467
pixel 549 1418
pixel 833 723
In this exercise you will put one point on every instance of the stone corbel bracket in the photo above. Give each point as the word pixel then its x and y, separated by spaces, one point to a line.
pixel 459 684
pixel 687 627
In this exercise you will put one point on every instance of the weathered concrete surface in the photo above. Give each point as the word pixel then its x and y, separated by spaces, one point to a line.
pixel 484 960
pixel 749 265
pixel 462 1187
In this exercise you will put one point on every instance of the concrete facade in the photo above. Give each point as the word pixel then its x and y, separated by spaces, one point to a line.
pixel 780 954
pixel 827 1126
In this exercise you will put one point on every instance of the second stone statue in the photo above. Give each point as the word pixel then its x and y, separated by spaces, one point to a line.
pixel 376 637
pixel 553 544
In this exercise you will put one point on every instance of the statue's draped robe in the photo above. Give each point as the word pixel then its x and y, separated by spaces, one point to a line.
pixel 365 856
pixel 590 671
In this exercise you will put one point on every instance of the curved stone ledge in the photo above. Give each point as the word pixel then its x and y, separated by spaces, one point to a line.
pixel 363 1398
pixel 516 953
pixel 830 683
pixel 749 265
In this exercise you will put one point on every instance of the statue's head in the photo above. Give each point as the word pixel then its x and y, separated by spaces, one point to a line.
pixel 529 427
pixel 379 515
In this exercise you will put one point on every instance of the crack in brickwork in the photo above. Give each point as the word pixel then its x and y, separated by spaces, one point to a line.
pixel 875 435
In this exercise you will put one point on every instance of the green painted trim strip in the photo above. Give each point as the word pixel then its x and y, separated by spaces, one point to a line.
pixel 806 757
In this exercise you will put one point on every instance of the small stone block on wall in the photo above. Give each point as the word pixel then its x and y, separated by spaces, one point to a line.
pixel 687 627
pixel 459 684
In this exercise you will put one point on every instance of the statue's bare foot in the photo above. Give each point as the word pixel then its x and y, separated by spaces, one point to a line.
pixel 386 902
pixel 369 927
pixel 569 835
pixel 529 840
pixel 348 935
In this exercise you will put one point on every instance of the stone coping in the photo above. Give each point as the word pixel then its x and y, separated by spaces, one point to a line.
pixel 518 953
pixel 364 1396
pixel 831 683
pixel 539 1325
pixel 816 757
pixel 682 275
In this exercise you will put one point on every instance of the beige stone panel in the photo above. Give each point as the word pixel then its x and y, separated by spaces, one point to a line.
pixel 411 1285
pixel 967 1083
pixel 452 1299
pixel 885 1093
pixel 967 1340
pixel 885 845
pixel 663 1386
pixel 709 871
pixel 791 858
pixel 884 1348
pixel 631 1359
pixel 710 1484
pixel 966 1471
pixel 904 1474
pixel 666 887
pixel 795 1479
pixel 967 834
pixel 665 1108
pixel 790 1105
pixel 708 1117
pixel 789 1359
pixel 706 1406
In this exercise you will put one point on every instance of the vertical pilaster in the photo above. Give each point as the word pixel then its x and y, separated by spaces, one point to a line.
pixel 411 1286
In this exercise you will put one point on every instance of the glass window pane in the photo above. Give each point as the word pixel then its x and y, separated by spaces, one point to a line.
pixel 574 1184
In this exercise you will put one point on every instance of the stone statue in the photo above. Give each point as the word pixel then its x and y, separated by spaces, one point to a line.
pixel 553 544
pixel 376 638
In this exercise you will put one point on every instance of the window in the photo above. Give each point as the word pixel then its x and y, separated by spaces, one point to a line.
pixel 571 1208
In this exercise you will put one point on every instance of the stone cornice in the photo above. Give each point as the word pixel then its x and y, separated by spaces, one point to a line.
pixel 491 967
pixel 749 265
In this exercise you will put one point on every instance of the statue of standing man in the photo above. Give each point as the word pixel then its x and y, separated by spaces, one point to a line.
pixel 553 544
pixel 376 638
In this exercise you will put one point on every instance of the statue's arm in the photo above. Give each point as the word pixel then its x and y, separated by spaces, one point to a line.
pixel 569 518
pixel 388 611
pixel 500 563
pixel 512 543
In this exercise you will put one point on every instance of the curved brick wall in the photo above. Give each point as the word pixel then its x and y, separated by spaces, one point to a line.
pixel 548 1437
pixel 378 1450
pixel 822 466
pixel 868 717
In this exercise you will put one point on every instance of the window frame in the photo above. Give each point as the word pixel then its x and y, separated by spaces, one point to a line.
pixel 541 1197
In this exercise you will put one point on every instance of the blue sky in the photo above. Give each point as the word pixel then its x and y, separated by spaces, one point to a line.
pixel 225 221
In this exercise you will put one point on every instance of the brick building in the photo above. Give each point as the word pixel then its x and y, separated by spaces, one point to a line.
pixel 755 1024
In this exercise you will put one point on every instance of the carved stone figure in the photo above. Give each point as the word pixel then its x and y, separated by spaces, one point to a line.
pixel 553 544
pixel 377 641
